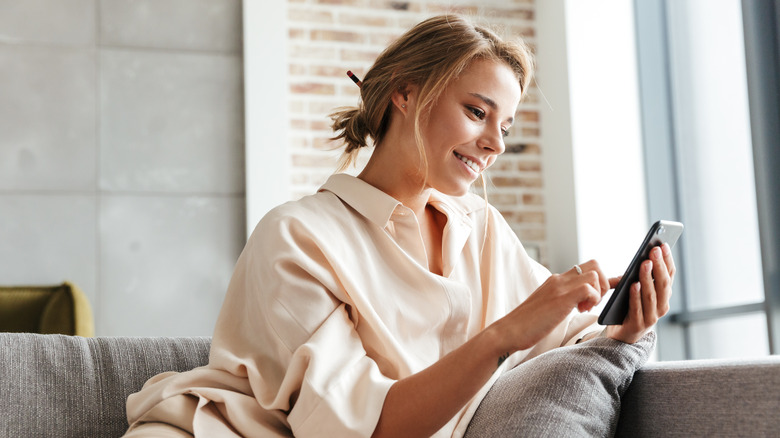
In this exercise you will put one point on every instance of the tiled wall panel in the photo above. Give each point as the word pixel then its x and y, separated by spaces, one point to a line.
pixel 166 262
pixel 55 22
pixel 47 118
pixel 47 239
pixel 201 25
pixel 121 156
pixel 171 122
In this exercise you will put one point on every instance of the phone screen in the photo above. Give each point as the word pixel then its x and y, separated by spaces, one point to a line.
pixel 617 307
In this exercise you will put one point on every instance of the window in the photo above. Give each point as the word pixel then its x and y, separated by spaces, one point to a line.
pixel 700 170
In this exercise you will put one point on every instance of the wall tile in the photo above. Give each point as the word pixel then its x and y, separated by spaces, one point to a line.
pixel 166 262
pixel 171 122
pixel 47 118
pixel 49 239
pixel 211 25
pixel 59 22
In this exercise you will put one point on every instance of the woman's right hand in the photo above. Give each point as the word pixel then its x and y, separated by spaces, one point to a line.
pixel 551 303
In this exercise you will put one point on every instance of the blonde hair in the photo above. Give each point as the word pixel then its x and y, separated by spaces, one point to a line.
pixel 430 56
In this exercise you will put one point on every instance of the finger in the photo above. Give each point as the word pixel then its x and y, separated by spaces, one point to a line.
pixel 584 276
pixel 594 281
pixel 661 280
pixel 648 293
pixel 590 299
pixel 635 310
pixel 613 282
pixel 669 260
pixel 603 280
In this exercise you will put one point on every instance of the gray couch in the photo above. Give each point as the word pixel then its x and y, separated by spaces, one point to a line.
pixel 64 386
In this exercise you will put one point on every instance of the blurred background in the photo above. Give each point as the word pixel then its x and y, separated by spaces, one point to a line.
pixel 142 140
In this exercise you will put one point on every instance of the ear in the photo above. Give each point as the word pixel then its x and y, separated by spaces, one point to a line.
pixel 404 98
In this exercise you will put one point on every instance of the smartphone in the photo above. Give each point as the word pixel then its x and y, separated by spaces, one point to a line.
pixel 617 307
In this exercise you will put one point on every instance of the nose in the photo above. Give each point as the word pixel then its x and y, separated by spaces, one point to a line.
pixel 493 140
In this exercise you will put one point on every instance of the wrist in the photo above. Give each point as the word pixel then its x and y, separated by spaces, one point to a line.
pixel 496 342
pixel 620 333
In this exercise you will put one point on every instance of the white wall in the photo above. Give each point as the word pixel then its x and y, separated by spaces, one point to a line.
pixel 265 84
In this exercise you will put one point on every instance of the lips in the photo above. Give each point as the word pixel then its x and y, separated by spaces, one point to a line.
pixel 472 164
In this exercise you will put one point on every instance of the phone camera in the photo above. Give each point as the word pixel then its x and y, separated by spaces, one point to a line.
pixel 661 230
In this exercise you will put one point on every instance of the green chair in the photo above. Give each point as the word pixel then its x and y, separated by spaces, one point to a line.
pixel 59 309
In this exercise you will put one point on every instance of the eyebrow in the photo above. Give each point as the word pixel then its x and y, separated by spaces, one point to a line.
pixel 491 103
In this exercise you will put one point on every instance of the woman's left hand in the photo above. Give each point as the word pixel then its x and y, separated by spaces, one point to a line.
pixel 649 297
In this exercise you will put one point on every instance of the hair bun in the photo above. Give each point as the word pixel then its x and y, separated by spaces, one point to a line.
pixel 350 127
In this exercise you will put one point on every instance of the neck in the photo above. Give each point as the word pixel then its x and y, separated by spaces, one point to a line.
pixel 391 172
pixel 395 167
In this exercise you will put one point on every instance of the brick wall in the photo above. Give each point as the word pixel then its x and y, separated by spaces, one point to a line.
pixel 329 37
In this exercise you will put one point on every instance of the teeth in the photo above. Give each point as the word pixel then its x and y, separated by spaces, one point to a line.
pixel 468 162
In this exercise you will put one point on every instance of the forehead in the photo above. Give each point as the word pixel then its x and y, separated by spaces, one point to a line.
pixel 493 79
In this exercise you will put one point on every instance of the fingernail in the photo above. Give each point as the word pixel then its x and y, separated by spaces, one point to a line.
pixel 647 266
pixel 657 253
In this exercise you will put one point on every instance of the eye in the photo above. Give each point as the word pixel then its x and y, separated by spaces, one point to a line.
pixel 478 113
pixel 505 132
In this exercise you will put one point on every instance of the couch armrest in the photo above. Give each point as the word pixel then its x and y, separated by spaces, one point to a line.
pixel 703 398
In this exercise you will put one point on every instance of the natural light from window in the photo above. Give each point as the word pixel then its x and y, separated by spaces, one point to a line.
pixel 716 174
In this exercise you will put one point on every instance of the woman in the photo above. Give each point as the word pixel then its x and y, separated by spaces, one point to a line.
pixel 390 303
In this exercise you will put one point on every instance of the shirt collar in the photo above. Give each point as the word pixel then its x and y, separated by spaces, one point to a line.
pixel 376 205
pixel 461 206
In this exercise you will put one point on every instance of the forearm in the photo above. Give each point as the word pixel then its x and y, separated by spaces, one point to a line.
pixel 422 403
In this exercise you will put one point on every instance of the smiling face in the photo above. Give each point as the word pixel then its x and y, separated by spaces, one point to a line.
pixel 465 131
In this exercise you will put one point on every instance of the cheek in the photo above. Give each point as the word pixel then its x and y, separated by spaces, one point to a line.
pixel 457 132
pixel 446 131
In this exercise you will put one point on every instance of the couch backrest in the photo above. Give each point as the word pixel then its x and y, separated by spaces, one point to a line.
pixel 68 386
pixel 715 397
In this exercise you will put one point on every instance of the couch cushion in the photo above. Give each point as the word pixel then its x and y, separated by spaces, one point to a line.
pixel 703 398
pixel 67 386
pixel 566 392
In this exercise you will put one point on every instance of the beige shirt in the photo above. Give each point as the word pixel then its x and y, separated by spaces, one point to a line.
pixel 332 301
